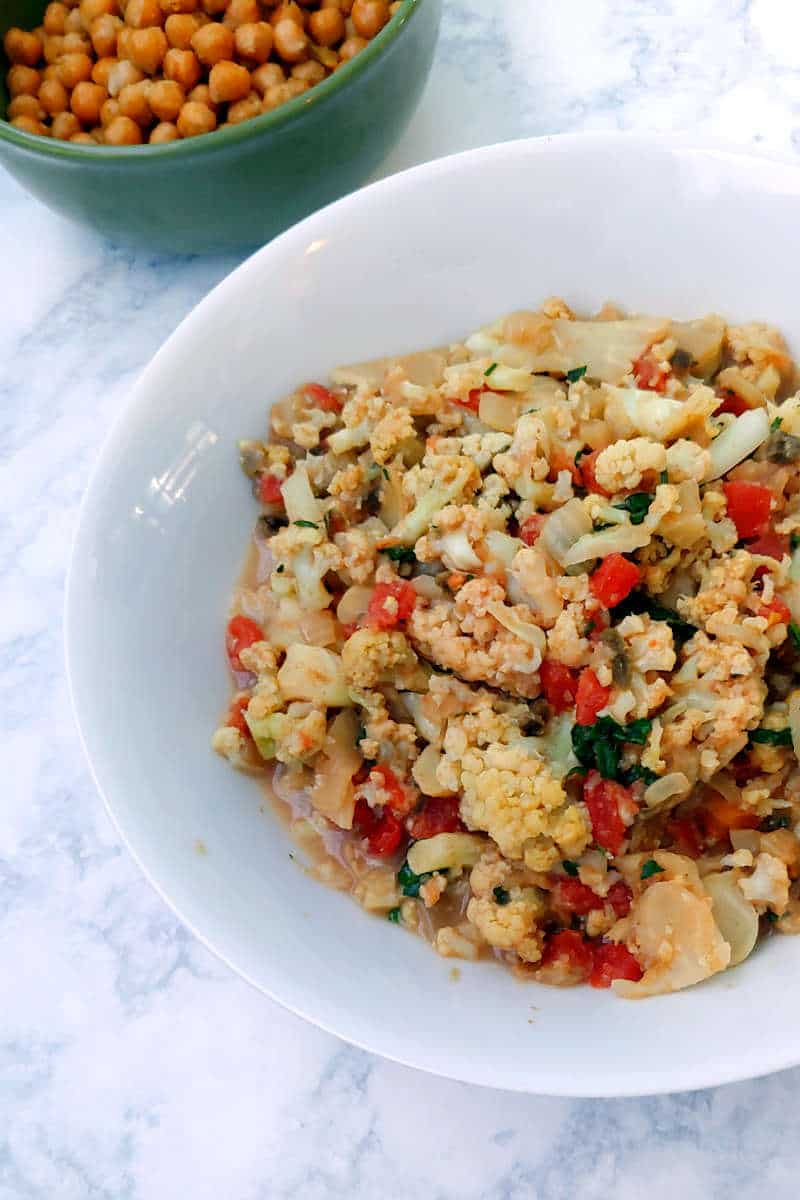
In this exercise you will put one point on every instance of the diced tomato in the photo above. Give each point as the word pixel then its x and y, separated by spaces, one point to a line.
pixel 731 403
pixel 614 579
pixel 235 718
pixel 440 815
pixel 242 632
pixel 559 461
pixel 473 400
pixel 619 896
pixel 322 397
pixel 719 816
pixel 774 545
pixel 743 769
pixel 607 802
pixel 559 684
pixel 686 835
pixel 400 800
pixel 269 489
pixel 590 697
pixel 575 897
pixel 382 832
pixel 568 951
pixel 390 604
pixel 648 373
pixel 612 961
pixel 531 528
pixel 777 609
pixel 749 506
pixel 586 465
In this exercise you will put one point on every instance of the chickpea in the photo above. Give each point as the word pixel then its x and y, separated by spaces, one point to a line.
pixel 254 41
pixel 134 102
pixel 166 99
pixel 141 14
pixel 326 26
pixel 350 48
pixel 23 81
pixel 102 70
pixel 54 17
pixel 109 112
pixel 180 28
pixel 74 68
pixel 147 49
pixel 75 43
pixel 228 82
pixel 121 75
pixel 202 95
pixel 214 8
pixel 25 106
pixel 267 76
pixel 83 139
pixel 124 42
pixel 195 119
pixel 349 28
pixel 53 97
pixel 163 133
pixel 291 42
pixel 179 6
pixel 212 44
pixel 242 12
pixel 244 109
pixel 104 33
pixel 86 102
pixel 183 67
pixel 73 22
pixel 22 47
pixel 122 131
pixel 310 72
pixel 53 49
pixel 90 10
pixel 65 126
pixel 288 11
pixel 30 125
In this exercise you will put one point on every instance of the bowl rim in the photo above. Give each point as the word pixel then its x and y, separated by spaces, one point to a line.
pixel 232 135
pixel 672 1078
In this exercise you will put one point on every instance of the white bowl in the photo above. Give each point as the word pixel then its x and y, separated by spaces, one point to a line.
pixel 416 260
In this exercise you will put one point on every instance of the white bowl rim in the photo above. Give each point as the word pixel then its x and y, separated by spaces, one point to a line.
pixel 745 1063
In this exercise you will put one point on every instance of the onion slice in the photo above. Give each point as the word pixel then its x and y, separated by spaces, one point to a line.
pixel 737 442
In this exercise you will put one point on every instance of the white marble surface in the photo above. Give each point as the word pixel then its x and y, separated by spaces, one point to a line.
pixel 133 1066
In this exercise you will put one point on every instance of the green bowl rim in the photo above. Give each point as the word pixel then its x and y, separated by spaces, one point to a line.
pixel 285 113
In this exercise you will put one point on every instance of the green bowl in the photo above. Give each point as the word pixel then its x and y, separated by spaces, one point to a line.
pixel 242 185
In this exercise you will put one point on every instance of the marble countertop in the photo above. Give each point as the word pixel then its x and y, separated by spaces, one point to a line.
pixel 134 1066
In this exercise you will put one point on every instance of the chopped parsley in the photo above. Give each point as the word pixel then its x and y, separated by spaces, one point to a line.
pixel 794 540
pixel 280 569
pixel 579 455
pixel 664 476
pixel 490 370
pixel 400 554
pixel 501 895
pixel 794 634
pixel 771 916
pixel 385 473
pixel 640 602
pixel 650 868
pixel 637 772
pixel 306 524
pixel 393 915
pixel 570 867
pixel 775 821
pixel 771 737
pixel 776 424
pixel 362 733
pixel 599 745
pixel 638 505
pixel 575 374
pixel 589 628
pixel 409 882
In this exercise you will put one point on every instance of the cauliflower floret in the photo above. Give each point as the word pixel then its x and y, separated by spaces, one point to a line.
pixel 532 571
pixel 395 427
pixel 724 584
pixel 384 738
pixel 298 734
pixel 350 484
pixel 513 925
pixel 649 643
pixel 471 637
pixel 374 656
pixel 438 481
pixel 260 658
pixel 459 531
pixel 527 461
pixel 492 494
pixel 565 641
pixel 768 885
pixel 306 557
pixel 230 743
pixel 358 555
pixel 760 345
pixel 620 467
pixel 297 420
pixel 687 460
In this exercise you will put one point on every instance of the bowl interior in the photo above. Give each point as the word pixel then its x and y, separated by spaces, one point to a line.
pixel 416 260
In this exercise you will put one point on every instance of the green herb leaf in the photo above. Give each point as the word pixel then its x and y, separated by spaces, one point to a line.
pixel 306 524
pixel 362 733
pixel 606 756
pixel 776 424
pixel 501 895
pixel 409 882
pixel 637 771
pixel 771 737
pixel 639 602
pixel 570 867
pixel 794 634
pixel 771 916
pixel 664 477
pixel 776 820
pixel 599 745
pixel 491 370
pixel 385 473
pixel 280 569
pixel 589 628
pixel 393 915
pixel 650 868
pixel 794 540
pixel 638 505
pixel 575 374
pixel 579 454
pixel 400 554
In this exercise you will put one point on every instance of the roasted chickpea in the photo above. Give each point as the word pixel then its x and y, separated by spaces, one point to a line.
pixel 73 69
pixel 267 76
pixel 86 101
pixel 369 17
pixel 163 133
pixel 54 17
pixel 102 70
pixel 180 28
pixel 134 102
pixel 124 42
pixel 25 106
pixel 243 110
pixel 326 26
pixel 53 97
pixel 195 119
pixel 179 6
pixel 212 44
pixel 22 47
pixel 83 139
pixel 104 33
pixel 147 48
pixel 310 72
pixel 53 49
pixel 76 43
pixel 253 41
pixel 141 14
pixel 109 112
pixel 183 67
pixel 288 11
pixel 242 12
pixel 121 75
pixel 228 82
pixel 214 8
pixel 291 42
pixel 65 126
pixel 350 48
pixel 202 95
pixel 90 10
pixel 23 81
pixel 166 99
pixel 30 125
pixel 122 131
pixel 73 22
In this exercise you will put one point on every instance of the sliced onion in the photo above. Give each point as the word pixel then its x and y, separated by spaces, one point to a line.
pixel 735 916
pixel 524 630
pixel 794 721
pixel 667 788
pixel 621 539
pixel 503 548
pixel 353 604
pixel 737 441
pixel 445 851
pixel 301 503
pixel 564 528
